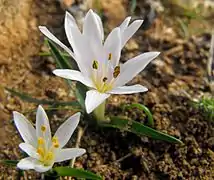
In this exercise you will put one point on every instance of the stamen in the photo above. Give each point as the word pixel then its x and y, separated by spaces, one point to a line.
pixel 95 64
pixel 105 79
pixel 54 139
pixel 41 141
pixel 116 71
pixel 55 142
pixel 49 156
pixel 56 145
pixel 40 151
pixel 43 128
pixel 109 56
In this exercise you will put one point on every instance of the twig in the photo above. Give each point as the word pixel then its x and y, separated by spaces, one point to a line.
pixel 124 157
pixel 174 50
pixel 79 137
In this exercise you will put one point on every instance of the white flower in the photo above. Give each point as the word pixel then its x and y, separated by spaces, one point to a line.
pixel 43 150
pixel 98 62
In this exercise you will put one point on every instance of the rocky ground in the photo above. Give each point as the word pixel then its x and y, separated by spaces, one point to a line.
pixel 175 79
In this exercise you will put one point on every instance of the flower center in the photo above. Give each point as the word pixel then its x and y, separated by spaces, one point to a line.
pixel 104 75
pixel 46 153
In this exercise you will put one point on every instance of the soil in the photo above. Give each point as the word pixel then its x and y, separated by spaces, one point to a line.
pixel 175 79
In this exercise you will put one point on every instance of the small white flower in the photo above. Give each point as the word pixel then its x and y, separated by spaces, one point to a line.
pixel 98 62
pixel 43 150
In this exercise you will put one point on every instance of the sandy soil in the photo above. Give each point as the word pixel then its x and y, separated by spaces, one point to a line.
pixel 174 80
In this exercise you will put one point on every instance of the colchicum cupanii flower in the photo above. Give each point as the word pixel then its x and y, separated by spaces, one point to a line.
pixel 98 60
pixel 42 149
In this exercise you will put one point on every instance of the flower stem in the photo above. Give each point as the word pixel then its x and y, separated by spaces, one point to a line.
pixel 99 112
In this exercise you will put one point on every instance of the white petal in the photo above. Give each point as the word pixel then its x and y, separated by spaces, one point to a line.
pixel 128 89
pixel 124 24
pixel 31 163
pixel 80 45
pixel 92 28
pixel 69 153
pixel 26 163
pixel 100 24
pixel 39 167
pixel 134 66
pixel 94 99
pixel 48 34
pixel 65 131
pixel 70 22
pixel 94 35
pixel 113 45
pixel 29 149
pixel 129 31
pixel 74 75
pixel 25 128
pixel 42 120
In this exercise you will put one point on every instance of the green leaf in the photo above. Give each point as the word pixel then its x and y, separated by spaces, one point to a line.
pixel 184 27
pixel 80 90
pixel 140 129
pixel 80 93
pixel 9 162
pixel 28 98
pixel 145 109
pixel 78 173
pixel 133 6
pixel 206 106
pixel 49 54
pixel 61 61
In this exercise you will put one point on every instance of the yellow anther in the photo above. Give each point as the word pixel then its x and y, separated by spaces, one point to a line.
pixel 109 56
pixel 55 142
pixel 116 71
pixel 54 139
pixel 40 151
pixel 95 64
pixel 41 141
pixel 105 79
pixel 43 128
pixel 49 156
pixel 56 145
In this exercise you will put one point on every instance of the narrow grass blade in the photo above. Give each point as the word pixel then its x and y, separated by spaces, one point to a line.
pixel 183 27
pixel 133 6
pixel 30 99
pixel 9 162
pixel 140 129
pixel 80 93
pixel 146 110
pixel 49 54
pixel 61 61
pixel 78 173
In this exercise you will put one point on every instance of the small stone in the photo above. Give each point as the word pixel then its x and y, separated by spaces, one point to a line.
pixel 68 3
pixel 93 142
pixel 113 156
pixel 134 177
pixel 210 141
pixel 114 15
